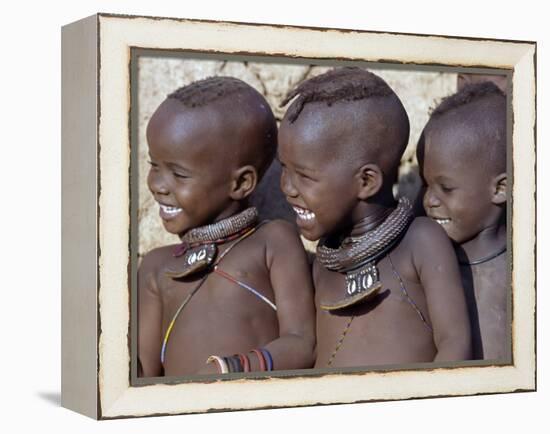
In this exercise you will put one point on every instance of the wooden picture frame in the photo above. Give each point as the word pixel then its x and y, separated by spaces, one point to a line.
pixel 98 274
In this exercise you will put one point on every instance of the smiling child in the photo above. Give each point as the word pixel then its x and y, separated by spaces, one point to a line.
pixel 235 295
pixel 462 156
pixel 387 286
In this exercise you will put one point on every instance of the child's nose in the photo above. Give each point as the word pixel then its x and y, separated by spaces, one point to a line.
pixel 287 187
pixel 430 199
pixel 157 183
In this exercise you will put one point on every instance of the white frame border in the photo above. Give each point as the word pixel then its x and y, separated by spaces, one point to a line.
pixel 117 34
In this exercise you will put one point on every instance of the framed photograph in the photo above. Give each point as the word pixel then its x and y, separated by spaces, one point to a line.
pixel 116 71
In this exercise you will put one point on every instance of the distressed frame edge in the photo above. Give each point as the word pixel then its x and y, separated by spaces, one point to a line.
pixel 528 380
pixel 524 184
pixel 79 141
pixel 300 27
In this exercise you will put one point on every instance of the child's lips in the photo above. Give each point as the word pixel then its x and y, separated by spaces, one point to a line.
pixel 168 212
pixel 303 214
pixel 441 220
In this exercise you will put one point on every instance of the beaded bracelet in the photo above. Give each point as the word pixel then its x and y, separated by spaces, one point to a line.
pixel 260 358
pixel 241 363
pixel 234 363
pixel 229 363
pixel 244 362
pixel 222 364
pixel 268 358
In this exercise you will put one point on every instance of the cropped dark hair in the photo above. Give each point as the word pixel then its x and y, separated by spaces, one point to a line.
pixel 469 93
pixel 201 92
pixel 347 84
pixel 479 108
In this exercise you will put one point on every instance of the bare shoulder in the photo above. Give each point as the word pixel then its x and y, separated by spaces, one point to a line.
pixel 282 244
pixel 155 259
pixel 423 230
pixel 426 239
pixel 279 234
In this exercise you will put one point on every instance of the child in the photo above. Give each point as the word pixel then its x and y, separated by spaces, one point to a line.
pixel 462 156
pixel 387 287
pixel 235 293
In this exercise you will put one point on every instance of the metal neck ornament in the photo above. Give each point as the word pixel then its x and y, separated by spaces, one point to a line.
pixel 199 245
pixel 484 259
pixel 356 257
pixel 222 229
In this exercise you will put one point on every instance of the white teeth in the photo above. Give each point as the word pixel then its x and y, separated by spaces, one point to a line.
pixel 304 214
pixel 442 221
pixel 170 210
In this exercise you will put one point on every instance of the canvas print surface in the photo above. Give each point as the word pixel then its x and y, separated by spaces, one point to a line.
pixel 434 288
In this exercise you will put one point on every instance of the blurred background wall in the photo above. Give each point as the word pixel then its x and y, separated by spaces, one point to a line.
pixel 158 76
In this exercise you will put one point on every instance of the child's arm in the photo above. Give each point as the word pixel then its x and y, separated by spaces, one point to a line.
pixel 291 282
pixel 149 318
pixel 437 267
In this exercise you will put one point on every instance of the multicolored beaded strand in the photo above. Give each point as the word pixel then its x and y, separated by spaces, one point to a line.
pixel 194 291
pixel 340 341
pixel 171 325
pixel 407 296
pixel 245 286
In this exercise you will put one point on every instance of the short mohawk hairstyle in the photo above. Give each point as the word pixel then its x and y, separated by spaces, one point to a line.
pixel 340 84
pixel 469 93
pixel 203 92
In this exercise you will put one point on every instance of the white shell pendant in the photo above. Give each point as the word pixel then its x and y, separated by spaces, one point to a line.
pixel 361 285
pixel 195 259
pixel 362 280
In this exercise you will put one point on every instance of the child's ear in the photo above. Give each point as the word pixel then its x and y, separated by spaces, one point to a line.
pixel 500 189
pixel 370 179
pixel 245 179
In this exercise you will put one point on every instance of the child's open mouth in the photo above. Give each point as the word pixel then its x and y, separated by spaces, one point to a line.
pixel 304 214
pixel 442 221
pixel 168 212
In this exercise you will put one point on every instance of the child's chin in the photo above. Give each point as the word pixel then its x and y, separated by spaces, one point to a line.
pixel 456 240
pixel 172 229
pixel 310 235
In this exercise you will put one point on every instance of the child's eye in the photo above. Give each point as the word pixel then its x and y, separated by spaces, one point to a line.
pixel 446 189
pixel 155 165
pixel 304 176
pixel 179 175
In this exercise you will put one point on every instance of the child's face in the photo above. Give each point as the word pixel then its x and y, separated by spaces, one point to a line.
pixel 458 188
pixel 316 180
pixel 190 175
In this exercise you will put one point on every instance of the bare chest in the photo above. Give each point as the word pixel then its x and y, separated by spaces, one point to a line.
pixel 487 289
pixel 489 281
pixel 217 313
pixel 392 327
pixel 234 289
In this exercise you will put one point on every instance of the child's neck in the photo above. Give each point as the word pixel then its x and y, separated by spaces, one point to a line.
pixel 489 241
pixel 232 209
pixel 369 216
